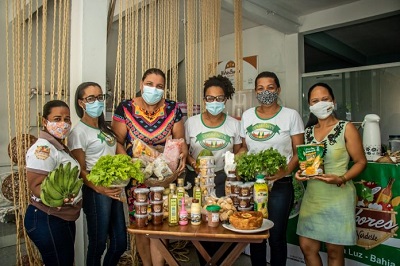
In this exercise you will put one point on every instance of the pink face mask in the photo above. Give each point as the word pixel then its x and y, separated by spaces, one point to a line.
pixel 59 130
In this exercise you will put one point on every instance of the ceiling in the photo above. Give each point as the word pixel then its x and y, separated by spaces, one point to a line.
pixel 370 42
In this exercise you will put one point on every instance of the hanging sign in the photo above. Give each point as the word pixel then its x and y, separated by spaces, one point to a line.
pixel 250 70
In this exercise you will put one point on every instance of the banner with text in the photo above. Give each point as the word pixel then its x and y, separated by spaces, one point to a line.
pixel 377 217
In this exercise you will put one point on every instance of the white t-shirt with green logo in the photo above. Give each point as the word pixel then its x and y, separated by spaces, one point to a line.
pixel 92 141
pixel 218 139
pixel 261 134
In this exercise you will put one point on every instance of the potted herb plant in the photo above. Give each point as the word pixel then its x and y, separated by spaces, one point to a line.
pixel 267 162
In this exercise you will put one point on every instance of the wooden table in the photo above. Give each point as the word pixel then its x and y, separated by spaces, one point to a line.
pixel 197 233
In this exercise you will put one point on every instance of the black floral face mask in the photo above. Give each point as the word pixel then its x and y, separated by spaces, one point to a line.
pixel 267 97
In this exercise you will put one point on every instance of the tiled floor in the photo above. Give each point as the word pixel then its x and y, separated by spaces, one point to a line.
pixel 7 244
pixel 243 260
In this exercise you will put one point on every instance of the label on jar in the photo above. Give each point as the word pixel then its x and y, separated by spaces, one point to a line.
pixel 157 206
pixel 156 195
pixel 215 217
pixel 195 218
pixel 227 188
pixel 244 190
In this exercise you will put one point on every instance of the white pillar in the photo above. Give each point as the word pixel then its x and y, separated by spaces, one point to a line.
pixel 88 63
pixel 293 62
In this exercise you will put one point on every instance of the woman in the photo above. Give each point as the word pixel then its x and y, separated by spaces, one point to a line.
pixel 51 229
pixel 330 196
pixel 213 124
pixel 90 139
pixel 283 130
pixel 153 119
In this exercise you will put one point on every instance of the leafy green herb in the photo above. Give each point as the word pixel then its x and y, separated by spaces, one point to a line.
pixel 267 162
pixel 113 168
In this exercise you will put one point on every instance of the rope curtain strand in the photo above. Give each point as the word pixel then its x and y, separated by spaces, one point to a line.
pixel 238 45
pixel 202 23
pixel 27 77
pixel 153 26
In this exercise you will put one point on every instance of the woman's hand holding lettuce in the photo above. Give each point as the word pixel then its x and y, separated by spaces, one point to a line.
pixel 111 169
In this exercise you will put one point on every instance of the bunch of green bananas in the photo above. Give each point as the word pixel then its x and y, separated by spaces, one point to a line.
pixel 60 185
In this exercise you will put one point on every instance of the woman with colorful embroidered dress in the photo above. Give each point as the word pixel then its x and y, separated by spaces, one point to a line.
pixel 327 212
pixel 152 119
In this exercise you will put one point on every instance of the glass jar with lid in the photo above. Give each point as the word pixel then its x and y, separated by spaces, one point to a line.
pixel 394 143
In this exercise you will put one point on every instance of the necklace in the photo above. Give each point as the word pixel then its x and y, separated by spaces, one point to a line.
pixel 149 115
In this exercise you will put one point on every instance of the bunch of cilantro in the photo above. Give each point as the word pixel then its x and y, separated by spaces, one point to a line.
pixel 111 169
pixel 266 162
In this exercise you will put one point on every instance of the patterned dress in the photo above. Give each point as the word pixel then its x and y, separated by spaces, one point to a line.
pixel 327 212
pixel 153 129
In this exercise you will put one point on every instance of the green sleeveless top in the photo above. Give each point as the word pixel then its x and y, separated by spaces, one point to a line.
pixel 327 211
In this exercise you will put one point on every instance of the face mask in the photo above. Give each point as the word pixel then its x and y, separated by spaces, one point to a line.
pixel 267 97
pixel 94 109
pixel 59 130
pixel 322 109
pixel 215 108
pixel 152 95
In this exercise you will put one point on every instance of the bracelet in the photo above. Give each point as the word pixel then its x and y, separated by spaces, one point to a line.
pixel 344 180
pixel 193 164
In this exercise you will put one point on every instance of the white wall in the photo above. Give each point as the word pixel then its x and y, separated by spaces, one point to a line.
pixel 276 52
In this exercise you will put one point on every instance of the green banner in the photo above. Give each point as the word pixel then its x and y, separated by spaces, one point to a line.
pixel 377 217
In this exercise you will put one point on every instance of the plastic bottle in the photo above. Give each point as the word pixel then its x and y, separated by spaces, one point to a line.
pixel 172 206
pixel 183 214
pixel 260 195
pixel 195 212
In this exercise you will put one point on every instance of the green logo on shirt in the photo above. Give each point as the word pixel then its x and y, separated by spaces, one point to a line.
pixel 108 139
pixel 262 131
pixel 213 140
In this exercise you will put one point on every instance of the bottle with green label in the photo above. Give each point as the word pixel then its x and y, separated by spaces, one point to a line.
pixel 173 217
pixel 180 191
pixel 260 195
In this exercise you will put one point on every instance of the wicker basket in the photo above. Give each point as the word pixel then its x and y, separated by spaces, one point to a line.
pixel 7 187
pixel 154 182
pixel 26 142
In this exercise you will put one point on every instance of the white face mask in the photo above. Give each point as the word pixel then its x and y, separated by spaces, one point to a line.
pixel 322 109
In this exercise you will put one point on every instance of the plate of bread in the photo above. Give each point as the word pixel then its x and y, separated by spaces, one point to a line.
pixel 248 222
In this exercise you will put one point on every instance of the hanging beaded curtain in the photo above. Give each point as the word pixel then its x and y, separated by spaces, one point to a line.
pixel 238 45
pixel 150 34
pixel 202 20
pixel 28 83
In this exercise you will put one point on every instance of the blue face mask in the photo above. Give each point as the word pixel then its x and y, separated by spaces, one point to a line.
pixel 152 95
pixel 215 108
pixel 94 109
